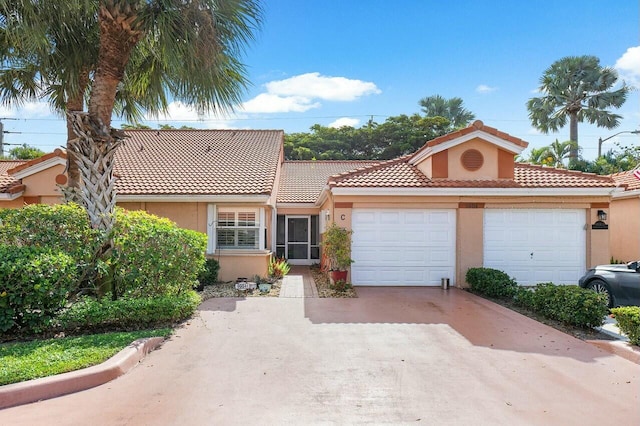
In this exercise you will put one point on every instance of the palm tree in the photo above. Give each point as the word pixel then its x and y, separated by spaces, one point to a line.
pixel 139 50
pixel 539 156
pixel 51 51
pixel 558 152
pixel 577 88
pixel 451 109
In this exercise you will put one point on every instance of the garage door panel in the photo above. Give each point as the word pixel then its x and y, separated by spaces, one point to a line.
pixel 440 218
pixel 402 247
pixel 439 235
pixel 536 245
pixel 415 218
pixel 390 218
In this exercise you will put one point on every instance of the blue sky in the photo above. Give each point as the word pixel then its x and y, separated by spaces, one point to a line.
pixel 340 62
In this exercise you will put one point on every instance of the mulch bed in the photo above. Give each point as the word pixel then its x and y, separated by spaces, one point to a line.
pixel 323 284
pixel 228 289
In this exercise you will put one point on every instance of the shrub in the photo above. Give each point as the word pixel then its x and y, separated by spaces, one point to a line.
pixel 35 283
pixel 491 282
pixel 126 313
pixel 570 304
pixel 278 267
pixel 628 318
pixel 62 227
pixel 524 297
pixel 210 273
pixel 153 257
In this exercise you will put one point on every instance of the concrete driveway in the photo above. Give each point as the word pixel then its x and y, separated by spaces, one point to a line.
pixel 392 356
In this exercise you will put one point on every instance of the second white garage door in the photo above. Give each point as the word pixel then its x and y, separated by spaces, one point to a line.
pixel 394 247
pixel 536 245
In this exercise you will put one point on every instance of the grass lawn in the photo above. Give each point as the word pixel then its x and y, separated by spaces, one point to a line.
pixel 41 358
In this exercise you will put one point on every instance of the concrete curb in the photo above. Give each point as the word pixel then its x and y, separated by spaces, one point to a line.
pixel 75 381
pixel 620 348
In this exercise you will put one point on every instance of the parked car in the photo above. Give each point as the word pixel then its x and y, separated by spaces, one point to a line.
pixel 621 283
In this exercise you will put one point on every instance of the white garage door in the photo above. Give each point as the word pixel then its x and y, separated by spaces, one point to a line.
pixel 536 245
pixel 403 247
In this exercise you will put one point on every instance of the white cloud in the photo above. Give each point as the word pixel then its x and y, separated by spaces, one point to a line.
pixel 534 131
pixel 303 92
pixel 483 88
pixel 344 121
pixel 628 65
pixel 28 110
pixel 313 85
pixel 180 114
pixel 273 103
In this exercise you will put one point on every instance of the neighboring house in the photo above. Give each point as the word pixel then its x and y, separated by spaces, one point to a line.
pixel 461 201
pixel 625 218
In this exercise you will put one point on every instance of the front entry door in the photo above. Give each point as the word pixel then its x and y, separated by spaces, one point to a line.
pixel 298 240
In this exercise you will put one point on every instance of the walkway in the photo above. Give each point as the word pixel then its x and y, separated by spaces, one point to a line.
pixel 298 283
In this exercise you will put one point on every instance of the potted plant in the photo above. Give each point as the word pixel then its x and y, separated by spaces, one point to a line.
pixel 336 246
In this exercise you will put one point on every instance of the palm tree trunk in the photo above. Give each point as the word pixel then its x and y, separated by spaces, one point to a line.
pixel 573 135
pixel 75 103
pixel 95 147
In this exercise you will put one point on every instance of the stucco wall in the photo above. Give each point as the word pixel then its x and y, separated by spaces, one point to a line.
pixel 235 264
pixel 469 247
pixel 43 183
pixel 489 169
pixel 12 204
pixel 624 227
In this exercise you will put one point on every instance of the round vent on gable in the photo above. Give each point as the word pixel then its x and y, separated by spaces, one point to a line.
pixel 472 159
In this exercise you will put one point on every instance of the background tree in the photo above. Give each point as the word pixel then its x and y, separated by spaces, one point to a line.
pixel 397 136
pixel 538 156
pixel 576 88
pixel 452 109
pixel 558 152
pixel 25 152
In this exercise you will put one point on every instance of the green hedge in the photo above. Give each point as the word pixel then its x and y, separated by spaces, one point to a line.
pixel 566 303
pixel 153 257
pixel 61 227
pixel 35 283
pixel 628 319
pixel 491 282
pixel 126 313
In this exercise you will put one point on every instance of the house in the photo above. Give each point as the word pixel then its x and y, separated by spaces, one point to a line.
pixel 625 218
pixel 460 201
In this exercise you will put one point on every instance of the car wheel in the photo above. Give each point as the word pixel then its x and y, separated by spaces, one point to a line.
pixel 601 287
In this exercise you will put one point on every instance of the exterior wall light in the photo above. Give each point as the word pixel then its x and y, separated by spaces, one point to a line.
pixel 600 223
pixel 602 215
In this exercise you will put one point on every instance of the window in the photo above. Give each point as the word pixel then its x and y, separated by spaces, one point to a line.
pixel 237 230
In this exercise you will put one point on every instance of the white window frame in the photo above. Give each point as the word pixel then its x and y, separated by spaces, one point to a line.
pixel 212 226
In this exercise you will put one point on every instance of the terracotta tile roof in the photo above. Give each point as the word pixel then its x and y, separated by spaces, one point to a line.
pixel 26 164
pixel 531 176
pixel 198 162
pixel 476 125
pixel 627 178
pixel 400 174
pixel 9 184
pixel 303 181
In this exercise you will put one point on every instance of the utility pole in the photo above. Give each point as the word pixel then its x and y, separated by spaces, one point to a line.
pixel 2 132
